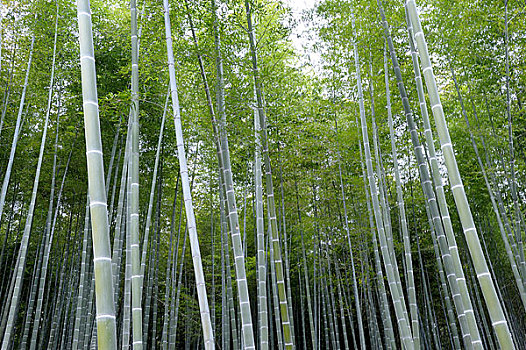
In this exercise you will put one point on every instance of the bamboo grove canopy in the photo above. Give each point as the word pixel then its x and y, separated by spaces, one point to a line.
pixel 262 174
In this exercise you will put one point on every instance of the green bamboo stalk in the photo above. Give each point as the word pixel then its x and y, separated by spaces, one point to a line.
pixel 324 309
pixel 71 278
pixel 176 278
pixel 88 321
pixel 75 275
pixel 152 188
pixel 444 290
pixel 11 285
pixel 513 184
pixel 411 291
pixel 430 314
pixel 272 341
pixel 322 238
pixel 313 339
pixel 119 232
pixel 247 332
pixel 286 252
pixel 5 265
pixel 302 308
pixel 274 293
pixel 1 8
pixel 173 333
pixel 518 279
pixel 169 281
pixel 8 319
pixel 492 270
pixel 126 308
pixel 340 304
pixel 105 305
pixel 384 304
pixel 111 209
pixel 49 230
pixel 152 266
pixel 277 256
pixel 382 194
pixel 229 291
pixel 403 325
pixel 35 278
pixel 212 254
pixel 150 207
pixel 18 274
pixel 437 179
pixel 330 307
pixel 190 216
pixel 346 226
pixel 9 85
pixel 112 159
pixel 342 301
pixel 484 277
pixel 50 227
pixel 439 222
pixel 82 281
pixel 217 140
pixel 500 201
pixel 133 200
pixel 156 271
pixel 318 307
pixel 263 318
pixel 487 339
pixel 225 340
pixel 18 126
pixel 44 256
pixel 498 196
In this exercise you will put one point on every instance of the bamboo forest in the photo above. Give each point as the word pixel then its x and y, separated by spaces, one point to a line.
pixel 262 174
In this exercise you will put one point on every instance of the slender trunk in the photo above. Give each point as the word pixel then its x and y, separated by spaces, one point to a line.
pixel 231 210
pixel 190 216
pixel 499 322
pixel 16 134
pixel 518 279
pixel 403 324
pixel 106 327
pixel 263 317
pixel 314 339
pixel 411 291
pixel 276 256
pixel 18 275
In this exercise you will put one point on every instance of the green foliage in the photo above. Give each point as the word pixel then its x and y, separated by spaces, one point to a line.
pixel 303 105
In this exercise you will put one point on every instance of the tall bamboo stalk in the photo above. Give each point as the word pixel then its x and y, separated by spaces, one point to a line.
pixel 513 183
pixel 133 200
pixel 260 239
pixel 16 134
pixel 187 195
pixel 351 255
pixel 106 327
pixel 403 324
pixel 518 279
pixel 411 291
pixel 49 230
pixel 384 304
pixel 273 225
pixel 313 338
pixel 484 277
pixel 21 260
pixel 440 222
pixel 247 332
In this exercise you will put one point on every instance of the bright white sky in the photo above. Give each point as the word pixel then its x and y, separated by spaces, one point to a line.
pixel 298 6
pixel 299 35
